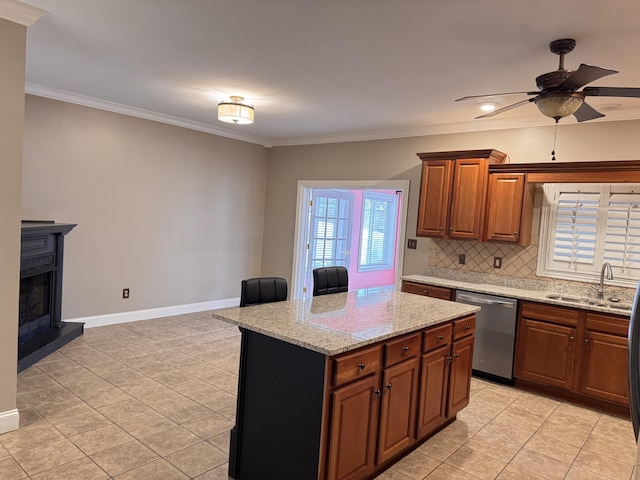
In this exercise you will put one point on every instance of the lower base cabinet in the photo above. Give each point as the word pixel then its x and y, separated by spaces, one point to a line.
pixel 574 353
pixel 422 383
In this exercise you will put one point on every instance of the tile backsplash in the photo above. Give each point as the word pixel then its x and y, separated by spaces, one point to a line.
pixel 516 261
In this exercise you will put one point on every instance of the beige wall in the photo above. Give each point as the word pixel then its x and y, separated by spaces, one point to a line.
pixel 396 159
pixel 173 214
pixel 12 62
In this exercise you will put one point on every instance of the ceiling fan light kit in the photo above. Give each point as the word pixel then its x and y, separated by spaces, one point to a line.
pixel 235 111
pixel 557 105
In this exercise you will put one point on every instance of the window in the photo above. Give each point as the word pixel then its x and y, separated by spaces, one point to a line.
pixel 377 240
pixel 583 226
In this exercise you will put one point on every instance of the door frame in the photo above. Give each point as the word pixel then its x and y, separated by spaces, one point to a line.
pixel 301 208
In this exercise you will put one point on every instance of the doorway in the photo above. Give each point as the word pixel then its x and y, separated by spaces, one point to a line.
pixel 359 225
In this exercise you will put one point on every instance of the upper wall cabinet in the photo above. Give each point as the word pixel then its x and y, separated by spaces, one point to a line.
pixel 453 193
pixel 509 210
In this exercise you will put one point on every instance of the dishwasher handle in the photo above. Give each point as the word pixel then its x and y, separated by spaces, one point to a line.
pixel 485 301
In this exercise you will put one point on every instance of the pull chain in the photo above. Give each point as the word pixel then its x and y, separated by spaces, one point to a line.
pixel 555 137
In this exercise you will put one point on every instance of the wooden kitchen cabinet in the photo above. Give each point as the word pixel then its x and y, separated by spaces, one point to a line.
pixel 604 370
pixel 354 429
pixel 433 291
pixel 461 365
pixel 434 380
pixel 574 353
pixel 453 193
pixel 509 209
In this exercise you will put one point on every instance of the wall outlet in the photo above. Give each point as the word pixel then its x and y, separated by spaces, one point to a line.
pixel 412 243
pixel 125 293
pixel 462 259
pixel 497 262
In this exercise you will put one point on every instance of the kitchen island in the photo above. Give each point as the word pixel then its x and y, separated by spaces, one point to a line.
pixel 341 386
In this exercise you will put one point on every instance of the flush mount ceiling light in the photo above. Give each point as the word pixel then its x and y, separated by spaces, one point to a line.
pixel 235 111
pixel 488 106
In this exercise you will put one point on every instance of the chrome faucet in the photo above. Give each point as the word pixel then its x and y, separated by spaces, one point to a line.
pixel 606 268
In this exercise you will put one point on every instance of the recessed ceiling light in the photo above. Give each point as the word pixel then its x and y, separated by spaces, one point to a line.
pixel 488 106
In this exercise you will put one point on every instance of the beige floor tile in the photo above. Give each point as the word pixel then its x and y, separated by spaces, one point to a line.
pixel 124 457
pixel 29 437
pixel 218 400
pixel 458 432
pixel 3 452
pixel 45 457
pixel 476 463
pixel 416 465
pixel 196 389
pixel 438 447
pixel 81 469
pixel 514 473
pixel 145 423
pixel 541 465
pixel 553 448
pixel 209 425
pixel 184 411
pixel 11 470
pixel 615 429
pixel 603 445
pixel 576 473
pixel 569 435
pixel 493 447
pixel 170 440
pixel 197 459
pixel 124 410
pixel 156 470
pixel 29 417
pixel 63 412
pixel 389 474
pixel 99 439
pixel 447 472
pixel 603 465
pixel 221 441
pixel 83 423
pixel 511 433
pixel 108 396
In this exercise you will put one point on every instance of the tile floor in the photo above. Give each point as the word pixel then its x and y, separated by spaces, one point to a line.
pixel 156 400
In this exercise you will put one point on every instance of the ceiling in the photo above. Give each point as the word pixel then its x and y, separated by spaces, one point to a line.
pixel 325 70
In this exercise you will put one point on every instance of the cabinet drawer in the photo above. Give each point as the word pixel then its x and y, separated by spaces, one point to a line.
pixel 401 349
pixel 464 326
pixel 608 324
pixel 356 365
pixel 550 313
pixel 427 290
pixel 436 337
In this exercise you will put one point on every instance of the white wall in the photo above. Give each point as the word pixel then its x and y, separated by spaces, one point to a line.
pixel 172 214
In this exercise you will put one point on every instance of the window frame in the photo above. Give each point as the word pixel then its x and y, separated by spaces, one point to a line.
pixel 389 240
pixel 582 272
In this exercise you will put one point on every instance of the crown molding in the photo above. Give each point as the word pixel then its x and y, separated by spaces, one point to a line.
pixel 20 13
pixel 69 97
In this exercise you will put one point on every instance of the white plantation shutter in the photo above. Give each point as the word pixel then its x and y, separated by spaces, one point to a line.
pixel 377 241
pixel 622 235
pixel 583 226
pixel 576 226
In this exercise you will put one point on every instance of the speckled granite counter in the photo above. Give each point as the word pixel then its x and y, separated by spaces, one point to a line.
pixel 333 324
pixel 520 289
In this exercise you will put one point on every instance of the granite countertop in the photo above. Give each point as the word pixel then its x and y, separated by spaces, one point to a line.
pixel 333 324
pixel 520 289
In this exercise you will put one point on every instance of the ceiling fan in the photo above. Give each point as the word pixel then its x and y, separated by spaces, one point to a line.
pixel 559 96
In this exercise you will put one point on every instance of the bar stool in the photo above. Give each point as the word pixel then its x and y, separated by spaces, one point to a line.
pixel 255 291
pixel 328 280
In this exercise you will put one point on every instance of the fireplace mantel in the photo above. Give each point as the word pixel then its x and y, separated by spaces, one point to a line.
pixel 41 330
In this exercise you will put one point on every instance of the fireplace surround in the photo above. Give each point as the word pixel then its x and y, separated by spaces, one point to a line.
pixel 41 330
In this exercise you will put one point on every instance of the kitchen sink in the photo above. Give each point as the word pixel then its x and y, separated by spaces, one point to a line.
pixel 591 301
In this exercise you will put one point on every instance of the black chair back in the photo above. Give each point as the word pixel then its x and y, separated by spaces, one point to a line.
pixel 263 290
pixel 330 280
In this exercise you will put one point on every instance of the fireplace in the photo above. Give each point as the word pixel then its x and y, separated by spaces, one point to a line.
pixel 41 330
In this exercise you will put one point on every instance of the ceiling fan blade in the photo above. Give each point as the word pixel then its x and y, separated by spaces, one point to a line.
pixel 585 74
pixel 586 112
pixel 496 95
pixel 612 91
pixel 504 109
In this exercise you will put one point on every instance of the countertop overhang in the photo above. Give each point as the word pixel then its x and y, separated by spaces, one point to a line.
pixel 333 324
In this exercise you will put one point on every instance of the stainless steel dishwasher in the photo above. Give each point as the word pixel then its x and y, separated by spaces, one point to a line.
pixel 495 335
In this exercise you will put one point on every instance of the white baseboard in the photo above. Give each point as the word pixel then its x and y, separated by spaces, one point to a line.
pixel 136 315
pixel 9 420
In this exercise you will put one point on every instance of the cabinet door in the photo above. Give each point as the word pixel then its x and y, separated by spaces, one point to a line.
pixel 353 430
pixel 434 379
pixel 460 375
pixel 442 293
pixel 603 367
pixel 504 207
pixel 545 353
pixel 398 415
pixel 434 198
pixel 468 198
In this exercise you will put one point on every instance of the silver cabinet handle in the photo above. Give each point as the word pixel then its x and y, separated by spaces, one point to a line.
pixel 572 338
